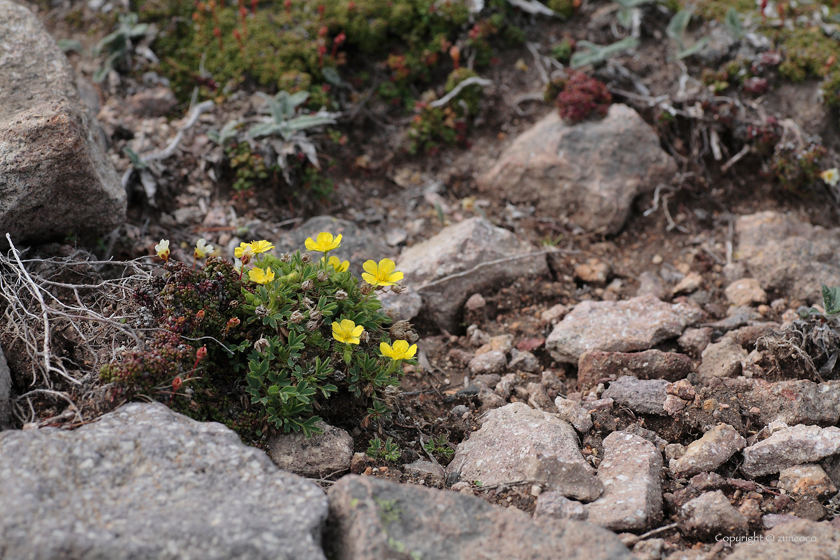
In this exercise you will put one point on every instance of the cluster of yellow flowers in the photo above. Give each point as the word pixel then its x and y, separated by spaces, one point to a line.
pixel 346 331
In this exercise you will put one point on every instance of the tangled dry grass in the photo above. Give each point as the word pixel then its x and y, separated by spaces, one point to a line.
pixel 64 318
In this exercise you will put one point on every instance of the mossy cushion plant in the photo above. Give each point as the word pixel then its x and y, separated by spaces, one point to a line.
pixel 269 342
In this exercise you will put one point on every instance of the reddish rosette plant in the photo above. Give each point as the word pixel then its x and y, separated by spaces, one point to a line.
pixel 581 96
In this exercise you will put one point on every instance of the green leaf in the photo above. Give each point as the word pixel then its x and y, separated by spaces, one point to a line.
pixel 733 23
pixel 677 26
pixel 598 54
pixel 831 299
pixel 693 49
pixel 68 45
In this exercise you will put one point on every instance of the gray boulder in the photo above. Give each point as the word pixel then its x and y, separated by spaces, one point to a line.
pixel 55 174
pixel 5 393
pixel 320 455
pixel 618 326
pixel 589 172
pixel 145 482
pixel 469 247
pixel 372 519
pixel 787 256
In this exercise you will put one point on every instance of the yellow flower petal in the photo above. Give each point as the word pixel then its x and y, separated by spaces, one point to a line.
pixel 400 346
pixel 261 246
pixel 395 277
pixel 311 245
pixel 358 330
pixel 386 350
pixel 370 267
pixel 386 266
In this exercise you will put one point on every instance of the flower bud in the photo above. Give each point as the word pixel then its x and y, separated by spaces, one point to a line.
pixel 307 285
pixel 323 276
pixel 296 317
pixel 176 384
pixel 306 258
pixel 338 375
pixel 233 322
pixel 364 337
pixel 311 325
pixel 397 289
pixel 261 345
pixel 315 314
pixel 341 295
pixel 201 354
pixel 261 311
pixel 366 289
pixel 285 257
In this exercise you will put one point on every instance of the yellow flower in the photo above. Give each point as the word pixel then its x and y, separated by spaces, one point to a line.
pixel 336 263
pixel 324 242
pixel 382 274
pixel 347 331
pixel 261 276
pixel 162 249
pixel 245 252
pixel 831 176
pixel 202 248
pixel 261 246
pixel 400 350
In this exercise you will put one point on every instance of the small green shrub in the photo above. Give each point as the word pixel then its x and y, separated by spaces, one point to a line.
pixel 387 450
pixel 439 446
pixel 268 346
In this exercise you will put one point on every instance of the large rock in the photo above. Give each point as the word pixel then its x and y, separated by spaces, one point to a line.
pixel 372 519
pixel 618 326
pixel 5 393
pixel 641 396
pixel 466 251
pixel 789 447
pixel 589 172
pixel 793 402
pixel 358 245
pixel 145 482
pixel 326 453
pixel 711 514
pixel 496 453
pixel 596 367
pixel 709 452
pixel 55 174
pixel 788 256
pixel 797 540
pixel 632 500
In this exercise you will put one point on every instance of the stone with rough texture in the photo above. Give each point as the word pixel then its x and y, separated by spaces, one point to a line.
pixel 574 414
pixel 788 256
pixel 145 482
pixel 5 393
pixel 495 453
pixel 422 469
pixel 642 396
pixel 573 480
pixel 632 499
pixel 711 514
pixel 403 306
pixel 596 367
pixel 372 519
pixel 558 506
pixel 807 480
pixel 523 361
pixel 789 447
pixel 694 341
pixel 460 249
pixel 153 102
pixel 618 326
pixel 722 359
pixel 745 291
pixel 709 452
pixel 794 402
pixel 358 245
pixel 316 456
pixel 493 361
pixel 55 174
pixel 589 172
pixel 798 540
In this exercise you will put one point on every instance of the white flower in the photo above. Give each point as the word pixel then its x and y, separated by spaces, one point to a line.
pixel 162 249
pixel 202 248
pixel 831 176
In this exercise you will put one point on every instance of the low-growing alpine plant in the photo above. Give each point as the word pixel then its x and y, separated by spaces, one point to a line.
pixel 270 341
